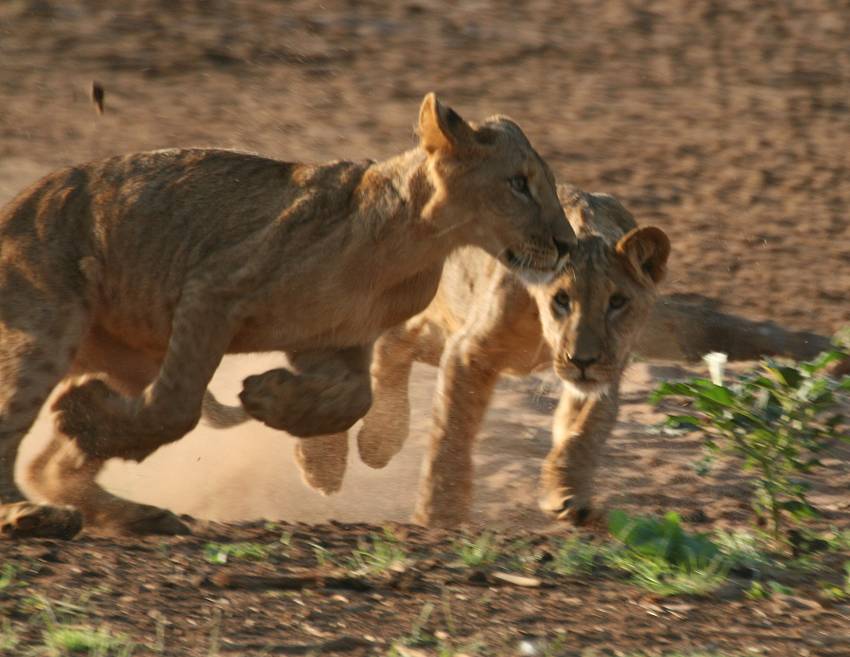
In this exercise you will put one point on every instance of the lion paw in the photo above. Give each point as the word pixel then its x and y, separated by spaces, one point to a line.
pixel 305 406
pixel 567 507
pixel 322 461
pixel 442 510
pixel 86 413
pixel 378 445
pixel 272 399
pixel 438 520
pixel 139 520
pixel 29 520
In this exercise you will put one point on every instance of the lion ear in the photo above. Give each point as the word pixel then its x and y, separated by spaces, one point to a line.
pixel 441 128
pixel 645 250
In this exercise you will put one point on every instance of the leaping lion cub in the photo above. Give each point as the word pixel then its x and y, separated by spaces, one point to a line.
pixel 484 321
pixel 140 272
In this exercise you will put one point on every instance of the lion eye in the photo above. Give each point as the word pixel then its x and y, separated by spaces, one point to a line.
pixel 519 184
pixel 561 301
pixel 617 301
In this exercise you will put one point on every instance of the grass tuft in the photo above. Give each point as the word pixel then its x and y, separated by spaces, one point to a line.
pixel 666 579
pixel 222 552
pixel 575 557
pixel 378 554
pixel 69 640
pixel 483 551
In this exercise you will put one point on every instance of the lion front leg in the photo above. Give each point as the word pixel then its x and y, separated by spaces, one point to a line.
pixel 387 424
pixel 580 428
pixel 325 392
pixel 465 385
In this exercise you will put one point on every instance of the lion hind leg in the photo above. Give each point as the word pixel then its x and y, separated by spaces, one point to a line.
pixel 32 363
pixel 65 474
pixel 106 423
pixel 31 520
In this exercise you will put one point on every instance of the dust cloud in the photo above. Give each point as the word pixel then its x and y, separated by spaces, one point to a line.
pixel 249 472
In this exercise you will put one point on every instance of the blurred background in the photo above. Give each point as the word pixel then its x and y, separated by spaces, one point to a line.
pixel 725 122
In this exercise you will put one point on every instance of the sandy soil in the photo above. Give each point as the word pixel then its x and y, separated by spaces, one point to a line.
pixel 725 123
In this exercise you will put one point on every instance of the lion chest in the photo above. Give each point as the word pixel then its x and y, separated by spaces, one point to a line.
pixel 410 297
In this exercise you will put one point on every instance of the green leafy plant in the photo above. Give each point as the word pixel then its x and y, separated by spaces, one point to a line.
pixel 838 539
pixel 762 591
pixel 324 557
pixel 684 654
pixel 54 610
pixel 757 591
pixel 661 556
pixel 418 637
pixel 775 420
pixel 523 555
pixel 286 537
pixel 665 579
pixel 66 632
pixel 441 643
pixel 663 539
pixel 743 550
pixel 448 648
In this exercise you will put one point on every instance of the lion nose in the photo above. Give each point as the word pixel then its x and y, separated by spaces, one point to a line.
pixel 562 247
pixel 582 363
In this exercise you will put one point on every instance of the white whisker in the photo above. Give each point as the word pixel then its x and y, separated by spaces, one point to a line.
pixel 455 227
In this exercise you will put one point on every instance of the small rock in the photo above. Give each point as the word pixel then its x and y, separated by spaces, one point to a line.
pixel 518 580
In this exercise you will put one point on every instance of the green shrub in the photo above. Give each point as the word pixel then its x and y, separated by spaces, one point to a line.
pixel 775 420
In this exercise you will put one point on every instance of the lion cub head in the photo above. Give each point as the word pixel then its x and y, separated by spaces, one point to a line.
pixel 593 311
pixel 492 190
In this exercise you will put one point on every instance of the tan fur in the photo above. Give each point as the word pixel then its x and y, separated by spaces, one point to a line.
pixel 485 322
pixel 136 274
pixel 525 330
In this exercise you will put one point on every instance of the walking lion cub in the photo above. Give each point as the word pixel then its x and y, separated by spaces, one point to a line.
pixel 129 278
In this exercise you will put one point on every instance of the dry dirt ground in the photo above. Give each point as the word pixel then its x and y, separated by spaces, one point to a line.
pixel 726 123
